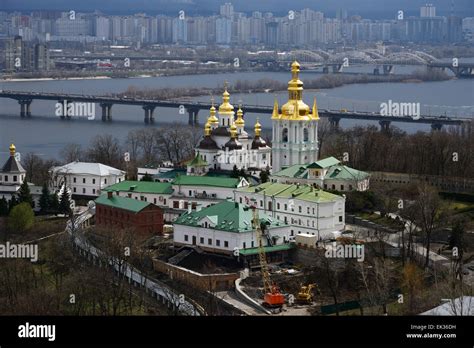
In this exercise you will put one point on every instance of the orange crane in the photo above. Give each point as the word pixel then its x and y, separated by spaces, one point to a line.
pixel 272 296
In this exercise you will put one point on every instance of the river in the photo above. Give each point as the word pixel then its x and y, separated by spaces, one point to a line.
pixel 45 134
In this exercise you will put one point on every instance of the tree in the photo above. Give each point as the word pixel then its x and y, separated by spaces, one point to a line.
pixel 21 217
pixel 412 284
pixel 24 194
pixel 72 152
pixel 13 202
pixel 429 207
pixel 235 172
pixel 54 203
pixel 105 149
pixel 3 207
pixel 147 177
pixel 65 202
pixel 45 199
pixel 264 176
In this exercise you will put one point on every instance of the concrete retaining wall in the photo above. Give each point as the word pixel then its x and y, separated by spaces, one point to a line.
pixel 206 282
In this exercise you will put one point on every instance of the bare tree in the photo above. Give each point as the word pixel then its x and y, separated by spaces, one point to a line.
pixel 105 149
pixel 72 152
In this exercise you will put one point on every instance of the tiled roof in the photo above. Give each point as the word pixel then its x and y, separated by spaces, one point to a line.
pixel 229 216
pixel 142 187
pixel 124 203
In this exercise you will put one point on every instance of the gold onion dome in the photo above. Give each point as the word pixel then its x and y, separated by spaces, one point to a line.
pixel 213 120
pixel 258 128
pixel 226 107
pixel 233 131
pixel 258 142
pixel 233 143
pixel 207 129
pixel 12 149
pixel 240 120
pixel 295 108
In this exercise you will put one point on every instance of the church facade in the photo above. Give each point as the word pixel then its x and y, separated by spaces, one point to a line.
pixel 226 143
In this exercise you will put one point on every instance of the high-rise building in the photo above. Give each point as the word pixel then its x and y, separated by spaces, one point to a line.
pixel 227 10
pixel 223 30
pixel 428 11
pixel 41 57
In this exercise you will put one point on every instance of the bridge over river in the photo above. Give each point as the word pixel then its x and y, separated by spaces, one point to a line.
pixel 25 100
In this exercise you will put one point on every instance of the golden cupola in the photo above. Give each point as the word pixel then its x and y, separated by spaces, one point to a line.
pixel 213 120
pixel 226 107
pixel 295 108
pixel 207 129
pixel 239 122
pixel 12 150
pixel 258 128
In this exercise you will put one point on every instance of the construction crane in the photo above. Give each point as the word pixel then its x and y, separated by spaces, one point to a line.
pixel 305 295
pixel 272 296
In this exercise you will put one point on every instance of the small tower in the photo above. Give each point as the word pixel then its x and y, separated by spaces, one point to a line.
pixel 12 173
pixel 239 122
pixel 213 120
pixel 226 110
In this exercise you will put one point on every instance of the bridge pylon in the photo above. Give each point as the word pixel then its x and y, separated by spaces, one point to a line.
pixel 106 111
pixel 25 107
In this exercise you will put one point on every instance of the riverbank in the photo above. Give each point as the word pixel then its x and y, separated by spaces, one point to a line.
pixel 268 85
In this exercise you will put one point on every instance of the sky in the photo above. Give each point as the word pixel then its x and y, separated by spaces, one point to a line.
pixel 366 8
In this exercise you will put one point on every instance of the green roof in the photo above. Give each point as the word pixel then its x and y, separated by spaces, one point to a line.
pixel 325 163
pixel 124 203
pixel 268 249
pixel 193 180
pixel 142 187
pixel 303 192
pixel 294 171
pixel 197 161
pixel 170 174
pixel 342 172
pixel 227 216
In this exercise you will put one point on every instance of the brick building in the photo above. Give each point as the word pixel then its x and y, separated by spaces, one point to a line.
pixel 113 211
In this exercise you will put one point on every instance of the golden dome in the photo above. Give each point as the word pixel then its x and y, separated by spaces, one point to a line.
pixel 240 120
pixel 212 117
pixel 258 128
pixel 233 131
pixel 207 128
pixel 226 107
pixel 295 108
pixel 12 150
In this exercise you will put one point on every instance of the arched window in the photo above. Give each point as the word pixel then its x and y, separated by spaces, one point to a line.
pixel 284 136
pixel 305 135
